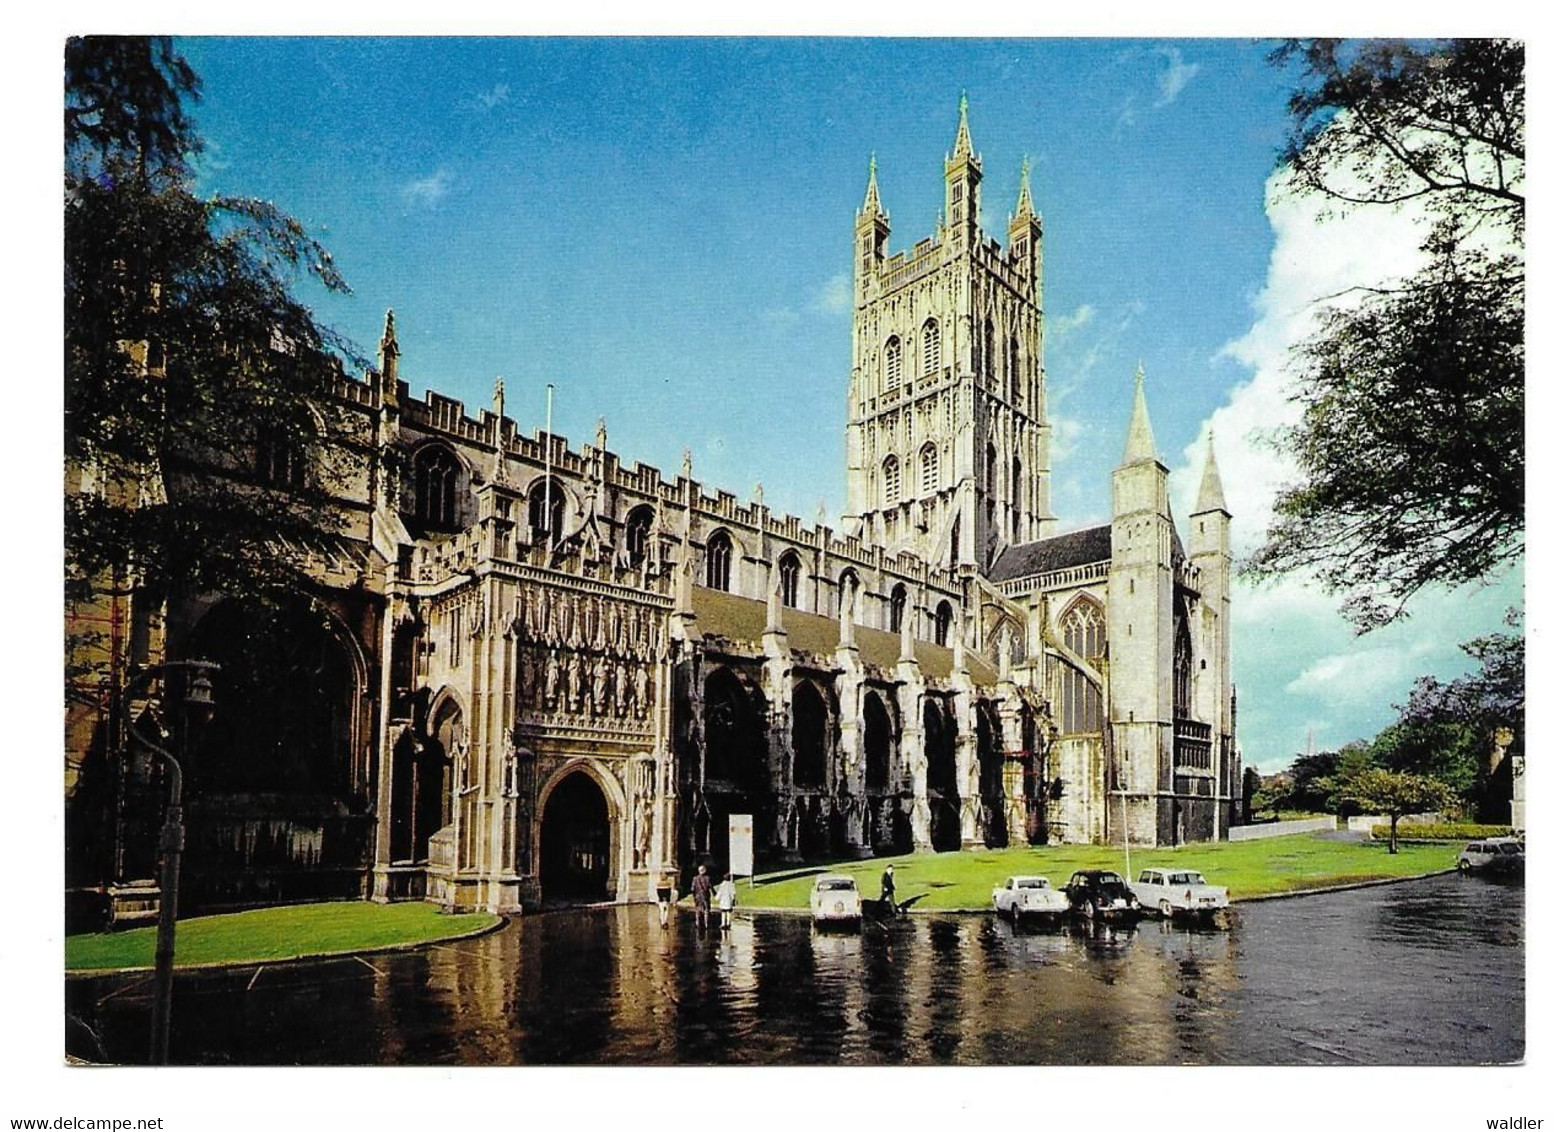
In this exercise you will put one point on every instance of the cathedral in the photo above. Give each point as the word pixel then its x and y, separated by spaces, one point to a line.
pixel 532 673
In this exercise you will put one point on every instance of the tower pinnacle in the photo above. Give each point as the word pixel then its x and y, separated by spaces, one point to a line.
pixel 1023 210
pixel 962 132
pixel 871 197
pixel 1141 437
pixel 1211 495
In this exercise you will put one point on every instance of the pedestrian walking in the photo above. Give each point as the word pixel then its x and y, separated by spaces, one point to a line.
pixel 701 896
pixel 888 889
pixel 665 897
pixel 726 893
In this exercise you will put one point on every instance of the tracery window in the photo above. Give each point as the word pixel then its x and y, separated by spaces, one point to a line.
pixel 930 348
pixel 436 480
pixel 893 363
pixel 1079 701
pixel 279 462
pixel 788 571
pixel 943 618
pixel 1181 673
pixel 928 463
pixel 890 473
pixel 720 560
pixel 638 524
pixel 547 510
pixel 989 355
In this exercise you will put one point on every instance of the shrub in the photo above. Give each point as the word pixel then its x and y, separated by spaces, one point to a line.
pixel 1461 831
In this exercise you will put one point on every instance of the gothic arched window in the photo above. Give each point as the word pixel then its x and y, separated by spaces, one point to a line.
pixel 1079 701
pixel 720 560
pixel 893 363
pixel 898 605
pixel 928 464
pixel 890 473
pixel 279 462
pixel 930 348
pixel 638 524
pixel 989 355
pixel 1014 501
pixel 943 618
pixel 788 571
pixel 547 510
pixel 436 480
pixel 1181 673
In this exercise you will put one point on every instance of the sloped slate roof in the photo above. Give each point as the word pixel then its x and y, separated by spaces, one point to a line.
pixel 744 619
pixel 1076 548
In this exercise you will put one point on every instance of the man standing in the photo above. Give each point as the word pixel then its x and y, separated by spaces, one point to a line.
pixel 701 894
pixel 726 903
pixel 888 889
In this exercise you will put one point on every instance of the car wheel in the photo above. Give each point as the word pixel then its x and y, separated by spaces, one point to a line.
pixel 1089 909
pixel 1165 909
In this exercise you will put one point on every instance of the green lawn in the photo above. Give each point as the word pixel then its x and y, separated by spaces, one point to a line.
pixel 1247 868
pixel 269 934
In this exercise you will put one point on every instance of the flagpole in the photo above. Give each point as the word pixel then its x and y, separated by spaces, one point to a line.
pixel 550 519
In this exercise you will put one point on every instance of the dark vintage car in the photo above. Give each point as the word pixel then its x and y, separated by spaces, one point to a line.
pixel 1100 894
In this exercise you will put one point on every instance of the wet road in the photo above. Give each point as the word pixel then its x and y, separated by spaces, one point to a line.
pixel 1427 972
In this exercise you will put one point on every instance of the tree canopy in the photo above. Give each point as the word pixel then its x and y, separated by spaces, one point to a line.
pixel 1409 453
pixel 1394 794
pixel 193 375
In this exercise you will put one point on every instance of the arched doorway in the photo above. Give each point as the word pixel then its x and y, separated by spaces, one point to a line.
pixel 575 841
pixel 734 775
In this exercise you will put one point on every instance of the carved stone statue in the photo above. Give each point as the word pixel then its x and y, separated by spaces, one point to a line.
pixel 622 687
pixel 640 690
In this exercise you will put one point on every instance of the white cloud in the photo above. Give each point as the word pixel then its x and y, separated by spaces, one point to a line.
pixel 1364 675
pixel 835 295
pixel 1176 76
pixel 1065 323
pixel 427 191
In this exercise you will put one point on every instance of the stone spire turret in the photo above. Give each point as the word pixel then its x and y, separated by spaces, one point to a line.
pixel 1141 437
pixel 871 196
pixel 962 134
pixel 1211 495
pixel 388 359
pixel 1023 209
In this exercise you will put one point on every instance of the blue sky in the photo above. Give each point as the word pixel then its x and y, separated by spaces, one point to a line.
pixel 662 228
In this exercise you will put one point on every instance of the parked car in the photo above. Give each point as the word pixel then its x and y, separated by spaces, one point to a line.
pixel 834 901
pixel 1029 897
pixel 1179 892
pixel 1492 855
pixel 1101 894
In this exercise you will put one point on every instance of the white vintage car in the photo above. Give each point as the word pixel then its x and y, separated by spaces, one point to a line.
pixel 1179 892
pixel 1023 897
pixel 835 901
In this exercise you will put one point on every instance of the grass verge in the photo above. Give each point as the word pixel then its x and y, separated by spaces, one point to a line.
pixel 1247 868
pixel 267 935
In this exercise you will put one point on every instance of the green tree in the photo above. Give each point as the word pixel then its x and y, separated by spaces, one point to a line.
pixel 1272 796
pixel 1448 730
pixel 1394 794
pixel 1410 447
pixel 196 383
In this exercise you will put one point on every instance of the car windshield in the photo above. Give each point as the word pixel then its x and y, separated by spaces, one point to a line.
pixel 1510 847
pixel 1187 878
pixel 834 884
pixel 1031 882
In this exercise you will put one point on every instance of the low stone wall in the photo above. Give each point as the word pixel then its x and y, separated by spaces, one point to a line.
pixel 1365 823
pixel 1282 828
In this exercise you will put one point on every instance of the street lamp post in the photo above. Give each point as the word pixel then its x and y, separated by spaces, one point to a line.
pixel 197 699
pixel 1127 858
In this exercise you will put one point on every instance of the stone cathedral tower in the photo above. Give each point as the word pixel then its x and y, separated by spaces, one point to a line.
pixel 948 444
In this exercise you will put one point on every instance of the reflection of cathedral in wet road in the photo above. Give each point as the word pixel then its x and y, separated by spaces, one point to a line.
pixel 609 986
pixel 531 673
